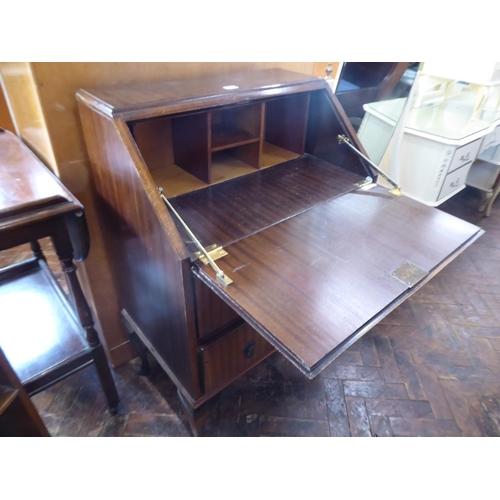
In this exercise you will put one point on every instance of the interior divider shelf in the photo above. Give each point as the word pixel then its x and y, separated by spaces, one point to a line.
pixel 189 152
pixel 225 138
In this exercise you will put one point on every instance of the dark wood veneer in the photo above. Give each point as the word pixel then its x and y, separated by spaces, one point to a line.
pixel 227 212
pixel 146 100
pixel 232 355
pixel 18 415
pixel 327 271
pixel 258 170
pixel 286 122
pixel 146 247
pixel 212 314
pixel 190 139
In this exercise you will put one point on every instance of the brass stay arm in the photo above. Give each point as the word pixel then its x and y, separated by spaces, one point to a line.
pixel 397 189
pixel 219 273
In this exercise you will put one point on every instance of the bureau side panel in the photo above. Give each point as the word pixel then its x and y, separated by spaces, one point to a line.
pixel 144 248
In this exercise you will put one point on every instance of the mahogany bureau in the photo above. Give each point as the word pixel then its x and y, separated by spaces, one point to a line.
pixel 265 233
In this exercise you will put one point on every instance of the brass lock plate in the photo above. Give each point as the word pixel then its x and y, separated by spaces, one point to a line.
pixel 409 274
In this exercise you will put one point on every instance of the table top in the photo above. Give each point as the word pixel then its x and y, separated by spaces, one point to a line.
pixel 26 184
pixel 451 119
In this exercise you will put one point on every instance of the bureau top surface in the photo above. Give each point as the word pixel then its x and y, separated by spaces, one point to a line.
pixel 134 96
pixel 26 185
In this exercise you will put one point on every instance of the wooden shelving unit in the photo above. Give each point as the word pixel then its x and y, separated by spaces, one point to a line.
pixel 190 152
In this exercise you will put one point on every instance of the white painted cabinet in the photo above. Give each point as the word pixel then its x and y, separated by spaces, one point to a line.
pixel 439 144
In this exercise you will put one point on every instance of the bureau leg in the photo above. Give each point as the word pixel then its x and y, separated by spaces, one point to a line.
pixel 196 417
pixel 142 351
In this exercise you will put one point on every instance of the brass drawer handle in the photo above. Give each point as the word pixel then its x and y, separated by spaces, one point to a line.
pixel 249 350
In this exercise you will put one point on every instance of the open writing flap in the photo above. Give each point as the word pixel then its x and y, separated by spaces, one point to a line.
pixel 314 283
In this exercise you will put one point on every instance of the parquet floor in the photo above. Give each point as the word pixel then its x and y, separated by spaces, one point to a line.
pixel 431 368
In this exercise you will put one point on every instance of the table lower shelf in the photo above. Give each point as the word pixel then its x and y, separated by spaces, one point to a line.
pixel 39 332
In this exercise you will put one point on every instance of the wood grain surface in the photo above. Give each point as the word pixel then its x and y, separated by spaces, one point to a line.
pixel 143 248
pixel 312 281
pixel 48 336
pixel 18 415
pixel 57 84
pixel 231 355
pixel 227 212
pixel 25 183
pixel 212 314
pixel 131 97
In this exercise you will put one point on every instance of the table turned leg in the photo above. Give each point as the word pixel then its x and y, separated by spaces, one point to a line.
pixel 86 320
pixel 106 378
pixel 37 250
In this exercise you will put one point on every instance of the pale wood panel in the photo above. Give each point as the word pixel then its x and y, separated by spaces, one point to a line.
pixel 176 181
pixel 5 118
pixel 22 94
pixel 57 85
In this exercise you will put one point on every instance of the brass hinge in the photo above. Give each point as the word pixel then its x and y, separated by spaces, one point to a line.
pixel 219 273
pixel 366 184
pixel 215 251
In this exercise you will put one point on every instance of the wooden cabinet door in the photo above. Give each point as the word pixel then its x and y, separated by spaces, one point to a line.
pixel 314 283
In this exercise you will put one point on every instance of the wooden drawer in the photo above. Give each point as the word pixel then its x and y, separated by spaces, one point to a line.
pixel 212 313
pixel 230 356
pixel 465 154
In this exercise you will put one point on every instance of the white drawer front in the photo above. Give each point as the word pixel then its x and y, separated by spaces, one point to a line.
pixel 491 140
pixel 465 154
pixel 454 181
